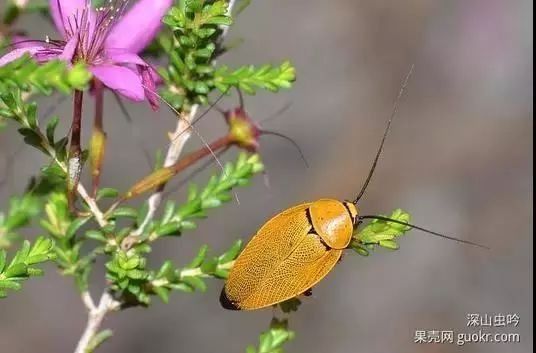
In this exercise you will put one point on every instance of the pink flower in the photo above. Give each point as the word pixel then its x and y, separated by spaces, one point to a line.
pixel 108 39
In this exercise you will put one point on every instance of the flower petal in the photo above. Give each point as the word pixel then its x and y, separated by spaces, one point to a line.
pixel 46 51
pixel 69 49
pixel 20 41
pixel 122 56
pixel 19 53
pixel 63 10
pixel 155 76
pixel 120 79
pixel 148 75
pixel 137 28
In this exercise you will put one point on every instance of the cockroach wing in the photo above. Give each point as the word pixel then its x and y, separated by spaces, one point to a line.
pixel 273 243
pixel 302 269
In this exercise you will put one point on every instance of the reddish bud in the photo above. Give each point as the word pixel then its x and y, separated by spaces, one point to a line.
pixel 243 131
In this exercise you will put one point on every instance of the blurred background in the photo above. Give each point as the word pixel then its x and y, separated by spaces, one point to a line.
pixel 459 159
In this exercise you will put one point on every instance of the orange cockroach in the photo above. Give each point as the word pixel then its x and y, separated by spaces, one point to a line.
pixel 298 247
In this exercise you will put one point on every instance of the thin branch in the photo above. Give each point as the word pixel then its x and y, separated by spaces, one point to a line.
pixel 88 301
pixel 95 317
pixel 93 207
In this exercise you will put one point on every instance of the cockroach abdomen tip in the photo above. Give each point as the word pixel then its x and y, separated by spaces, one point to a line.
pixel 226 302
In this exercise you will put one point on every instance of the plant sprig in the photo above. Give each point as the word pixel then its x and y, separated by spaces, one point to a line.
pixel 250 78
pixel 191 278
pixel 63 227
pixel 21 267
pixel 26 75
pixel 130 278
pixel 272 340
pixel 25 114
pixel 193 47
pixel 20 213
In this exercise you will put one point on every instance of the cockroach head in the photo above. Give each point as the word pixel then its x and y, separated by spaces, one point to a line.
pixel 352 210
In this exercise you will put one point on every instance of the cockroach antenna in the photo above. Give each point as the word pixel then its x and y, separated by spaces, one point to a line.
pixel 386 132
pixel 212 105
pixel 261 131
pixel 276 114
pixel 387 219
pixel 375 162
pixel 289 140
pixel 240 98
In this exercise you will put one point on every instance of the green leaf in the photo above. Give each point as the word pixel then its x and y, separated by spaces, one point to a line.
pixel 200 257
pixel 196 283
pixel 16 270
pixel 249 78
pixel 4 284
pixel 22 254
pixel 172 228
pixel 31 115
pixel 162 293
pixel 381 233
pixel 232 253
pixel 98 339
pixel 3 256
pixel 78 76
pixel 137 274
pixel 272 340
pixel 209 266
pixel 165 270
pixel 142 213
pixel 388 244
pixel 168 212
pixel 107 193
pixel 131 263
pixel 75 226
pixel 220 21
pixel 20 213
pixel 96 235
pixel 125 212
pixel 51 128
